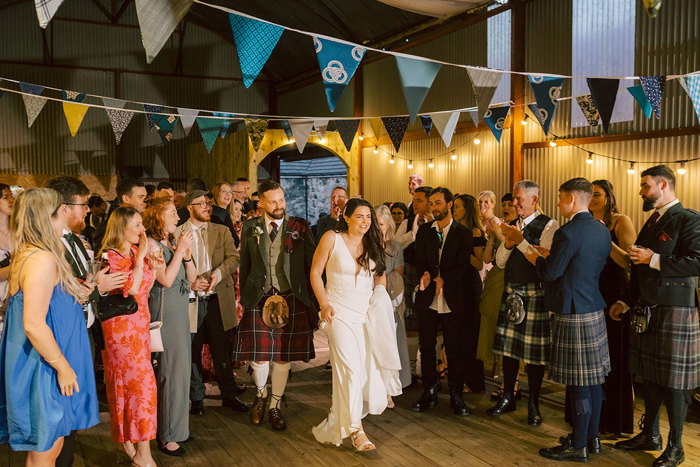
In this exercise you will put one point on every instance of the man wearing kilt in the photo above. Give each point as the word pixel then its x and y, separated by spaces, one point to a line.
pixel 276 254
pixel 580 357
pixel 665 349
pixel 527 340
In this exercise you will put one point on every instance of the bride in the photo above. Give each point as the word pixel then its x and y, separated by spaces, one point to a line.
pixel 357 316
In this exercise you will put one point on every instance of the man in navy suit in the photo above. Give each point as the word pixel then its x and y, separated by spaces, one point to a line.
pixel 579 357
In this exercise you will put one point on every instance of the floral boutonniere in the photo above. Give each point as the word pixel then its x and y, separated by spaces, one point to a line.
pixel 257 232
pixel 295 233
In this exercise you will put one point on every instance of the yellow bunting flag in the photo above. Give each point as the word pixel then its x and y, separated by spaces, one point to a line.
pixel 74 112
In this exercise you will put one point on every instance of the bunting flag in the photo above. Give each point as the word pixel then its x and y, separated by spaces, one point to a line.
pixel 118 118
pixel 496 119
pixel 226 124
pixel 590 111
pixel 427 123
pixel 255 41
pixel 45 9
pixel 32 104
pixel 653 87
pixel 547 91
pixel 445 122
pixel 347 130
pixel 641 98
pixel 484 82
pixel 320 126
pixel 652 7
pixel 301 129
pixel 474 114
pixel 209 128
pixel 187 118
pixel 376 125
pixel 256 130
pixel 604 93
pixel 157 20
pixel 535 111
pixel 287 129
pixel 396 127
pixel 74 112
pixel 416 78
pixel 691 84
pixel 367 129
pixel 338 62
pixel 150 110
pixel 165 124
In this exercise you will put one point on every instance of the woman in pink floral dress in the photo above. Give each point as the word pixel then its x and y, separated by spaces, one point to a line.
pixel 131 384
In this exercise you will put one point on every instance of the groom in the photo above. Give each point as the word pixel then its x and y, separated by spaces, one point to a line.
pixel 276 254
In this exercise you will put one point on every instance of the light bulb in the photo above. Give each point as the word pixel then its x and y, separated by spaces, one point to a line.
pixel 681 170
pixel 524 121
pixel 323 140
pixel 431 165
pixel 410 164
pixel 391 161
pixel 290 140
pixel 553 144
pixel 590 158
pixel 376 150
pixel 453 157
pixel 477 141
pixel 631 170
pixel 361 137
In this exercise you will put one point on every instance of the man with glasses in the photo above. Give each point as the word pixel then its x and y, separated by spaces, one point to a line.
pixel 73 208
pixel 212 299
pixel 239 192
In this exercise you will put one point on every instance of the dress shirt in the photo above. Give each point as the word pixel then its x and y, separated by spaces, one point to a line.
pixel 655 262
pixel 203 264
pixel 503 253
pixel 269 221
pixel 439 303
pixel 83 261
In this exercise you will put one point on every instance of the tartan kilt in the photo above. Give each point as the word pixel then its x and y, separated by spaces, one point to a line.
pixel 529 341
pixel 256 342
pixel 580 355
pixel 668 353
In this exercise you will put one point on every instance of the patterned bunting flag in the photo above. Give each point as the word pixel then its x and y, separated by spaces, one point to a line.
pixel 226 124
pixel 45 9
pixel 427 123
pixel 255 41
pixel 590 111
pixel 536 112
pixel 653 87
pixel 32 104
pixel 150 110
pixel 74 112
pixel 691 84
pixel 445 122
pixel 256 130
pixel 287 129
pixel 209 128
pixel 165 124
pixel 347 130
pixel 604 93
pixel 396 127
pixel 496 119
pixel 484 82
pixel 187 117
pixel 301 129
pixel 338 62
pixel 157 20
pixel 547 90
pixel 416 78
pixel 652 7
pixel 118 118
pixel 641 98
pixel 320 126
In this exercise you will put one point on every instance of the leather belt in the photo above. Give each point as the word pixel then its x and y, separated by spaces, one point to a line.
pixel 204 298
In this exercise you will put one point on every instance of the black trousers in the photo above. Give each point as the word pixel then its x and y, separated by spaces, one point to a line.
pixel 210 330
pixel 455 338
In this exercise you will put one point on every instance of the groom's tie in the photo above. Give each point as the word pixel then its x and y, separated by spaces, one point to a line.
pixel 273 232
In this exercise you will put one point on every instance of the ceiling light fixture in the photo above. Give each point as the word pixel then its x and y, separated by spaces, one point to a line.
pixel 410 164
pixel 590 158
pixel 431 165
pixel 391 161
pixel 631 170
pixel 477 141
pixel 376 150
pixel 682 170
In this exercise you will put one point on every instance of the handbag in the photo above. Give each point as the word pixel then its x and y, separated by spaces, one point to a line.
pixel 640 315
pixel 154 328
pixel 114 305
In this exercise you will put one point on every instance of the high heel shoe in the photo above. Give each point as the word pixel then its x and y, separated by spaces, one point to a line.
pixel 364 445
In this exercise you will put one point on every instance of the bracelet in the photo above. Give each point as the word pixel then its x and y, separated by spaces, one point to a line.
pixel 54 361
pixel 187 260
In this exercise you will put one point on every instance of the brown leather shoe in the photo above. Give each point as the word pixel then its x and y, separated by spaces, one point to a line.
pixel 277 420
pixel 257 411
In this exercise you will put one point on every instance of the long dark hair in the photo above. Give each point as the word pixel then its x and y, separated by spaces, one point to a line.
pixel 372 241
pixel 610 201
pixel 472 218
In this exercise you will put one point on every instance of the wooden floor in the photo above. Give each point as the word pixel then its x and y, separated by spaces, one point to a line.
pixel 403 437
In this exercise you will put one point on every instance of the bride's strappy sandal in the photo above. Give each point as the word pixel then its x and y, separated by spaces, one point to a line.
pixel 365 445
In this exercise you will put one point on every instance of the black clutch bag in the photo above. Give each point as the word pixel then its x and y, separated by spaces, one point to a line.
pixel 114 305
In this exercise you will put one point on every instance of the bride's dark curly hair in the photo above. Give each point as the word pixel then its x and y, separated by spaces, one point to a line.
pixel 372 240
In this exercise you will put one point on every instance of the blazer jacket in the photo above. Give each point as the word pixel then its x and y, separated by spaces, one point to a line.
pixel 580 249
pixel 460 279
pixel 676 238
pixel 223 256
pixel 255 261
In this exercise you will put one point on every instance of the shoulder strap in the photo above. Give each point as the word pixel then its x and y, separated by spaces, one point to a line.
pixel 19 273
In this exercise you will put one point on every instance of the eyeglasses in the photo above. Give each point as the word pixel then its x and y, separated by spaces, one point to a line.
pixel 226 192
pixel 84 205
pixel 202 204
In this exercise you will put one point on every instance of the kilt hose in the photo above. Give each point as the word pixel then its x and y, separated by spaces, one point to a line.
pixel 668 353
pixel 580 355
pixel 529 341
pixel 256 342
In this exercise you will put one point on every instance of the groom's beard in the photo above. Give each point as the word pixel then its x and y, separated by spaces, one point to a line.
pixel 277 214
pixel 648 203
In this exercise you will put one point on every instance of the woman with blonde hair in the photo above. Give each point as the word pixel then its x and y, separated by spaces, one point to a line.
pixel 46 376
pixel 131 384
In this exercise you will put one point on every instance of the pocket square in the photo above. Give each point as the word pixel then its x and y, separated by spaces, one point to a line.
pixel 664 237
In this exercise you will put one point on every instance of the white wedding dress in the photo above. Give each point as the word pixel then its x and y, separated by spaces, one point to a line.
pixel 362 377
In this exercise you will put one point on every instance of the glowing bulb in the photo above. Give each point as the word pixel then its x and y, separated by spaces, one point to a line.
pixel 410 164
pixel 590 158
pixel 553 144
pixel 682 170
pixel 323 140
pixel 453 156
pixel 361 137
pixel 631 170
pixel 431 165
pixel 523 122
pixel 290 140
pixel 376 150
pixel 391 161
pixel 477 141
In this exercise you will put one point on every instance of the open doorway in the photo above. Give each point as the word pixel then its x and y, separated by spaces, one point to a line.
pixel 307 178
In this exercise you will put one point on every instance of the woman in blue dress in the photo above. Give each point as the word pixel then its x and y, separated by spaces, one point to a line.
pixel 47 383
